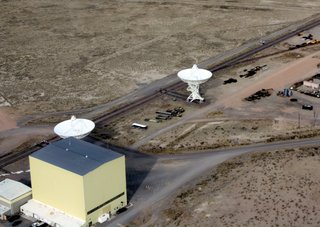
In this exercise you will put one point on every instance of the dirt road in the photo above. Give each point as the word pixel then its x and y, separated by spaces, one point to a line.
pixel 278 79
pixel 165 174
pixel 7 120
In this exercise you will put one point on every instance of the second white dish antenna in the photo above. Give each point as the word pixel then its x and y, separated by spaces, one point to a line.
pixel 194 77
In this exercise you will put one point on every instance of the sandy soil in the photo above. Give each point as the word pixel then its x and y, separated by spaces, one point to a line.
pixel 278 79
pixel 59 56
pixel 74 55
pixel 70 55
pixel 22 138
pixel 278 188
pixel 227 119
pixel 13 137
pixel 120 131
pixel 7 119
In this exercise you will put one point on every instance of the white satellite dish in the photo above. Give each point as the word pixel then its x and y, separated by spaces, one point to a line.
pixel 194 77
pixel 75 127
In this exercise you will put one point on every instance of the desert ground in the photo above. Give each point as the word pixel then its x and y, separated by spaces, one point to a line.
pixel 62 58
pixel 276 188
pixel 227 119
pixel 68 55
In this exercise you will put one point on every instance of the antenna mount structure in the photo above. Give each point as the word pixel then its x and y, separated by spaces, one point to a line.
pixel 194 77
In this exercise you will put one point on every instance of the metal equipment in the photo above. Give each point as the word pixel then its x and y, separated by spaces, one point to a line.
pixel 194 77
pixel 75 127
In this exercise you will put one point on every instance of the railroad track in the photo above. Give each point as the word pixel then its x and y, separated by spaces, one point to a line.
pixel 130 106
pixel 12 157
pixel 179 84
pixel 175 84
pixel 266 45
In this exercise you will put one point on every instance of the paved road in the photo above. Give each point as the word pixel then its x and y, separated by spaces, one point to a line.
pixel 153 178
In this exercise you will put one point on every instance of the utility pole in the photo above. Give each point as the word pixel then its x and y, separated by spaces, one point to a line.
pixel 299 120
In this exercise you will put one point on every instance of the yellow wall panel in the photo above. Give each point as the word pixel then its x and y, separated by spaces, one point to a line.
pixel 57 187
pixel 100 191
pixel 104 183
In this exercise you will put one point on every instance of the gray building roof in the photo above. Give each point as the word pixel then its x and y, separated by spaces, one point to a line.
pixel 11 189
pixel 75 155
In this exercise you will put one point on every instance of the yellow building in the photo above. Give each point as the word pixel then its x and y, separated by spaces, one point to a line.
pixel 75 183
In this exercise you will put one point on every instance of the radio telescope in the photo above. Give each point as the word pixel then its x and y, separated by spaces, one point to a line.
pixel 194 77
pixel 75 127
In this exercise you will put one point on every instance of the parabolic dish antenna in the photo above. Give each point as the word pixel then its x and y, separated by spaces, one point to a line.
pixel 194 77
pixel 75 127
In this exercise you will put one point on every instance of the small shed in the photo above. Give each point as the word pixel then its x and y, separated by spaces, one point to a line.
pixel 13 195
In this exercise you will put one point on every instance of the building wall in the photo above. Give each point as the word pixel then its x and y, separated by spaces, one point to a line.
pixel 15 204
pixel 18 202
pixel 57 187
pixel 105 189
pixel 5 202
